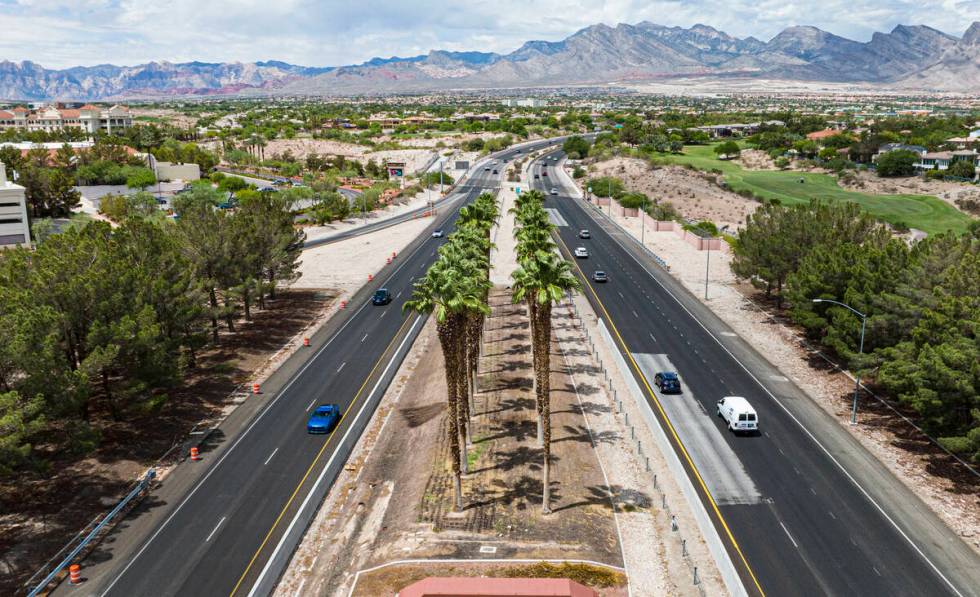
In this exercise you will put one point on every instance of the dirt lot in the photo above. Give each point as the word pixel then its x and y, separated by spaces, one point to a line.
pixel 689 191
pixel 42 510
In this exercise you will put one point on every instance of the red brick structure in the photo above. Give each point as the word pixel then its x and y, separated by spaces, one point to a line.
pixel 496 587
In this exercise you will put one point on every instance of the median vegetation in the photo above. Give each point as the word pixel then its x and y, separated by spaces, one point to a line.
pixel 923 314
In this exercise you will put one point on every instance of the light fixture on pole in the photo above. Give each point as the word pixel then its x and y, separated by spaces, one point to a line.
pixel 857 378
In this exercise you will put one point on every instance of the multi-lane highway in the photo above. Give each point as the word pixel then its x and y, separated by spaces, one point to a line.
pixel 229 528
pixel 802 509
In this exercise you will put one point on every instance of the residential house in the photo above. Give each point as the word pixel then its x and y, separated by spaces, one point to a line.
pixel 942 160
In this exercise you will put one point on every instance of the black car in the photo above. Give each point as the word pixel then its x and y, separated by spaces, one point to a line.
pixel 495 172
pixel 381 297
pixel 599 276
pixel 668 382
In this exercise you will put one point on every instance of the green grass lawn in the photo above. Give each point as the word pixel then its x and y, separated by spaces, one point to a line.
pixel 924 212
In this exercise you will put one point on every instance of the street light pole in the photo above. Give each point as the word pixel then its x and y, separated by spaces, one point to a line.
pixel 857 377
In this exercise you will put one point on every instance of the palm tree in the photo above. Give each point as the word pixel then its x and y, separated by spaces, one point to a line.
pixel 544 282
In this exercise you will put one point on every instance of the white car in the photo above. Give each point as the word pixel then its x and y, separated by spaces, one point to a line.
pixel 582 253
pixel 437 233
pixel 554 191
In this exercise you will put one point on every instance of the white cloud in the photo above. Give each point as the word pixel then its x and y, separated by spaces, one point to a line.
pixel 59 33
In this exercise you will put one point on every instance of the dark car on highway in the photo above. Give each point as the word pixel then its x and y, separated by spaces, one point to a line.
pixel 668 382
pixel 600 276
pixel 323 419
pixel 381 297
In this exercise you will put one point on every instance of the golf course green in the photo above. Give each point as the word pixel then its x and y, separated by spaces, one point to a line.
pixel 924 212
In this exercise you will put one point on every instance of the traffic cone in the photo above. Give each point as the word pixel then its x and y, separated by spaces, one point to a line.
pixel 75 574
pixel 306 341
pixel 195 454
pixel 255 388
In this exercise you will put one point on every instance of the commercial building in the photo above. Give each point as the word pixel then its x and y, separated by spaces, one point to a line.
pixel 14 226
pixel 89 118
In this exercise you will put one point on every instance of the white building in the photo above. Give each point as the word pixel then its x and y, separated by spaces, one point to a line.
pixel 14 225
pixel 89 118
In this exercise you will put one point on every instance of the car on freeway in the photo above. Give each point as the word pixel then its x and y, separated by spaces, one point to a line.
pixel 323 419
pixel 487 169
pixel 495 172
pixel 437 233
pixel 554 191
pixel 544 173
pixel 581 253
pixel 600 276
pixel 668 382
pixel 738 414
pixel 381 296
pixel 537 176
pixel 583 233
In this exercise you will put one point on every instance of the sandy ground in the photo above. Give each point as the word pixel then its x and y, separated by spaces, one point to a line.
pixel 956 503
pixel 689 191
pixel 755 159
pixel 300 148
pixel 869 182
pixel 345 265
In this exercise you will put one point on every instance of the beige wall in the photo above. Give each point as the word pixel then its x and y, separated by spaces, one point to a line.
pixel 169 171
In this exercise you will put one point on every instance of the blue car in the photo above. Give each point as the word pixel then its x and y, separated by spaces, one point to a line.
pixel 323 419
pixel 668 382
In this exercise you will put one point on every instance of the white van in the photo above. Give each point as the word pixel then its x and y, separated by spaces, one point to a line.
pixel 738 414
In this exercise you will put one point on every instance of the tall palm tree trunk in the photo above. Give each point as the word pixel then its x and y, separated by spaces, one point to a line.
pixel 544 386
pixel 532 309
pixel 447 341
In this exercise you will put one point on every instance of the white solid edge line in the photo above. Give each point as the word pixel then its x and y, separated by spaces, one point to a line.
pixel 264 411
pixel 797 421
pixel 326 468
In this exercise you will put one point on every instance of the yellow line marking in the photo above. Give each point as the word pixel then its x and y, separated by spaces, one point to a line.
pixel 666 419
pixel 317 458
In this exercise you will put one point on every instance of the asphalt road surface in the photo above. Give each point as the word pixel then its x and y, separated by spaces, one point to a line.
pixel 799 525
pixel 238 522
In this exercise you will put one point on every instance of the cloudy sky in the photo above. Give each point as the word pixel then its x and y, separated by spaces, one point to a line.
pixel 60 33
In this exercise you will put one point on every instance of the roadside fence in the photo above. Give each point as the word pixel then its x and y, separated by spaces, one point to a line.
pixel 90 533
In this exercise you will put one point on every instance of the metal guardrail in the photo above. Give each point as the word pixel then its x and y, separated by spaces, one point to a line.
pixel 138 489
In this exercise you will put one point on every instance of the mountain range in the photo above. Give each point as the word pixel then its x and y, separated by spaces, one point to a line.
pixel 908 57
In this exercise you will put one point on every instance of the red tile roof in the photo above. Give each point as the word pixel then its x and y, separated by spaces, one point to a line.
pixel 822 134
pixel 496 587
pixel 20 110
pixel 4 114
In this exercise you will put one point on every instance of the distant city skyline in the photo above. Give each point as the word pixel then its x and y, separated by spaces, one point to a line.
pixel 62 33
